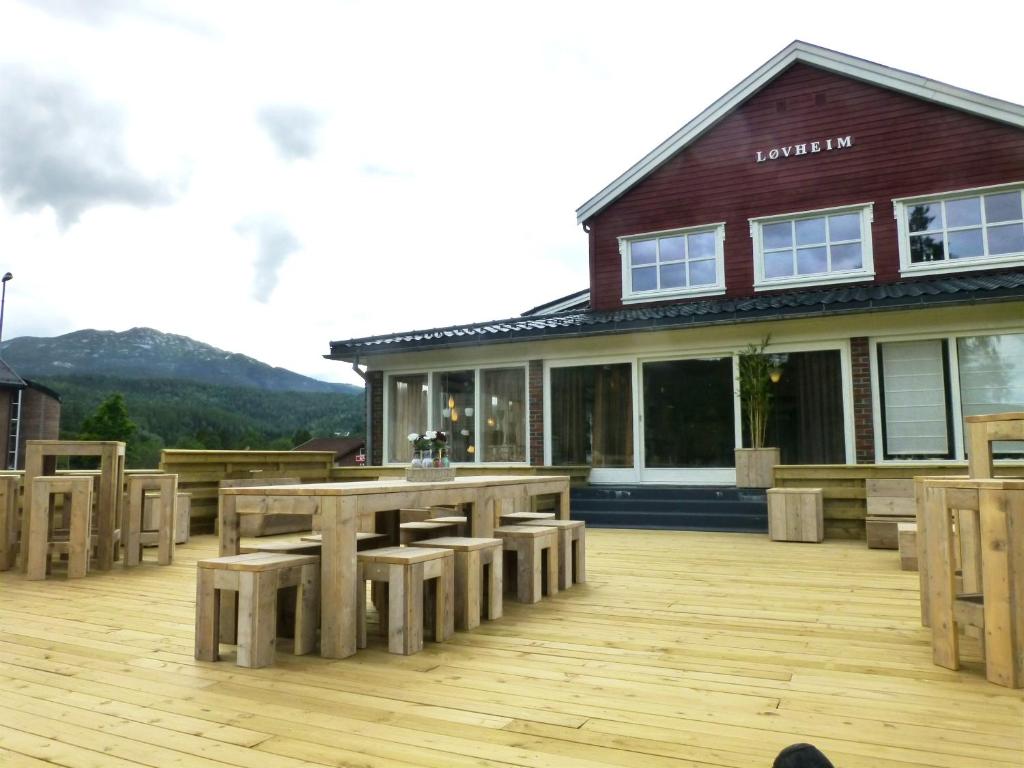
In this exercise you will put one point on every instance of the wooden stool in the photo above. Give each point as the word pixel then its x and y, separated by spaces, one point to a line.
pixel 256 577
pixel 10 522
pixel 907 537
pixel 182 516
pixel 428 529
pixel 163 536
pixel 77 492
pixel 363 540
pixel 478 567
pixel 795 514
pixel 406 570
pixel 572 550
pixel 525 518
pixel 532 544
pixel 460 523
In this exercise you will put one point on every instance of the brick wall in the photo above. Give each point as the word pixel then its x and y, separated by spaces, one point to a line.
pixel 375 386
pixel 863 423
pixel 536 425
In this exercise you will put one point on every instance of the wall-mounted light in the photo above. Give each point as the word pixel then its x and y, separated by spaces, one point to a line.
pixel 775 363
pixel 491 422
pixel 471 450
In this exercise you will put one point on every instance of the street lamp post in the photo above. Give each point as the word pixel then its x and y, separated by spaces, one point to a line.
pixel 3 299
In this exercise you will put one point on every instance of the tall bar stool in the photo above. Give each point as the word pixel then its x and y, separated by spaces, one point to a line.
pixel 478 575
pixel 536 551
pixel 10 522
pixel 166 487
pixel 995 604
pixel 41 543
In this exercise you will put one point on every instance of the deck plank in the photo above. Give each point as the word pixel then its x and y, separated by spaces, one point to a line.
pixel 683 649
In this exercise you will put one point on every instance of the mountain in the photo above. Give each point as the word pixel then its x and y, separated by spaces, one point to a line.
pixel 145 353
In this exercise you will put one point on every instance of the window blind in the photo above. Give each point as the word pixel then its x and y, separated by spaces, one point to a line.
pixel 915 399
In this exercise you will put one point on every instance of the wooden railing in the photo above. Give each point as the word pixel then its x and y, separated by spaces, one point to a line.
pixel 843 487
pixel 199 473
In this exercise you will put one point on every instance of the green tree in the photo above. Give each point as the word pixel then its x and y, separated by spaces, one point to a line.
pixel 301 436
pixel 109 421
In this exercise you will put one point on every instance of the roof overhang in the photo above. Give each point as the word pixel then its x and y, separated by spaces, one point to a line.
pixel 790 305
pixel 823 58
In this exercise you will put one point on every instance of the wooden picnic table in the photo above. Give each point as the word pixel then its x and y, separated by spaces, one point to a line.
pixel 41 459
pixel 348 508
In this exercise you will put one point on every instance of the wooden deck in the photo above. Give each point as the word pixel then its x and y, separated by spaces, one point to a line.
pixel 685 649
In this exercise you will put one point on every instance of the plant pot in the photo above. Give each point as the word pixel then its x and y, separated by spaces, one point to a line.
pixel 754 467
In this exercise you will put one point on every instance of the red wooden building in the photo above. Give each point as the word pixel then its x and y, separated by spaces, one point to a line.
pixel 867 220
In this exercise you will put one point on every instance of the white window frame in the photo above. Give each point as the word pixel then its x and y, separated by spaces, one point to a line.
pixel 629 296
pixel 968 264
pixel 952 362
pixel 867 268
pixel 429 373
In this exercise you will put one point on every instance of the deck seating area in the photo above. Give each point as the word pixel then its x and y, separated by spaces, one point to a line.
pixel 681 649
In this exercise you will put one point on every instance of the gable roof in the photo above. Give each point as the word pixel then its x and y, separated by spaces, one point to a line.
pixel 8 378
pixel 945 291
pixel 823 58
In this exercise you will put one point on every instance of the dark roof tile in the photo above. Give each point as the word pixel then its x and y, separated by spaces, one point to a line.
pixel 947 290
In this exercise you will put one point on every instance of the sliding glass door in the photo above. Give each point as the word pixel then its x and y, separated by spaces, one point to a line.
pixel 689 420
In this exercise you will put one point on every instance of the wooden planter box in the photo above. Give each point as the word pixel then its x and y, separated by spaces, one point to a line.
pixel 754 467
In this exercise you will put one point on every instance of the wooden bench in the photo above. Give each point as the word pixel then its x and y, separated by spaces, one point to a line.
pixel 889 503
pixel 166 488
pixel 410 533
pixel 572 550
pixel 406 572
pixel 42 543
pixel 525 518
pixel 460 523
pixel 363 540
pixel 182 516
pixel 536 560
pixel 796 514
pixel 256 578
pixel 478 573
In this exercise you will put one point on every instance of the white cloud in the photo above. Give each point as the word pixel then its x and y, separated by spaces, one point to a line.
pixel 448 148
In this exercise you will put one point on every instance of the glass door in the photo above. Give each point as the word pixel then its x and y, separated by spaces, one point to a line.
pixel 689 421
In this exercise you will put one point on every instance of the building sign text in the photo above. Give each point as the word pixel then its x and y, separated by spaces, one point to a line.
pixel 807 148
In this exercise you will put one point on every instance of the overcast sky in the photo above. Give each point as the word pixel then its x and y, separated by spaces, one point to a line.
pixel 269 176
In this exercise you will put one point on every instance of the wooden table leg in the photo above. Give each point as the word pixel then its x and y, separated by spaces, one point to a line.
pixel 941 587
pixel 338 583
pixel 228 526
pixel 106 509
pixel 1002 535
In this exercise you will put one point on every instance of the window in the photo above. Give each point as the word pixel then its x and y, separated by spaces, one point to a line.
pixel 970 229
pixel 828 246
pixel 483 411
pixel 914 399
pixel 407 413
pixel 681 262
pixel 503 400
pixel 592 415
pixel 922 381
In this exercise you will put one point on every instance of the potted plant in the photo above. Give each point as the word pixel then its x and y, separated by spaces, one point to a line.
pixel 757 371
